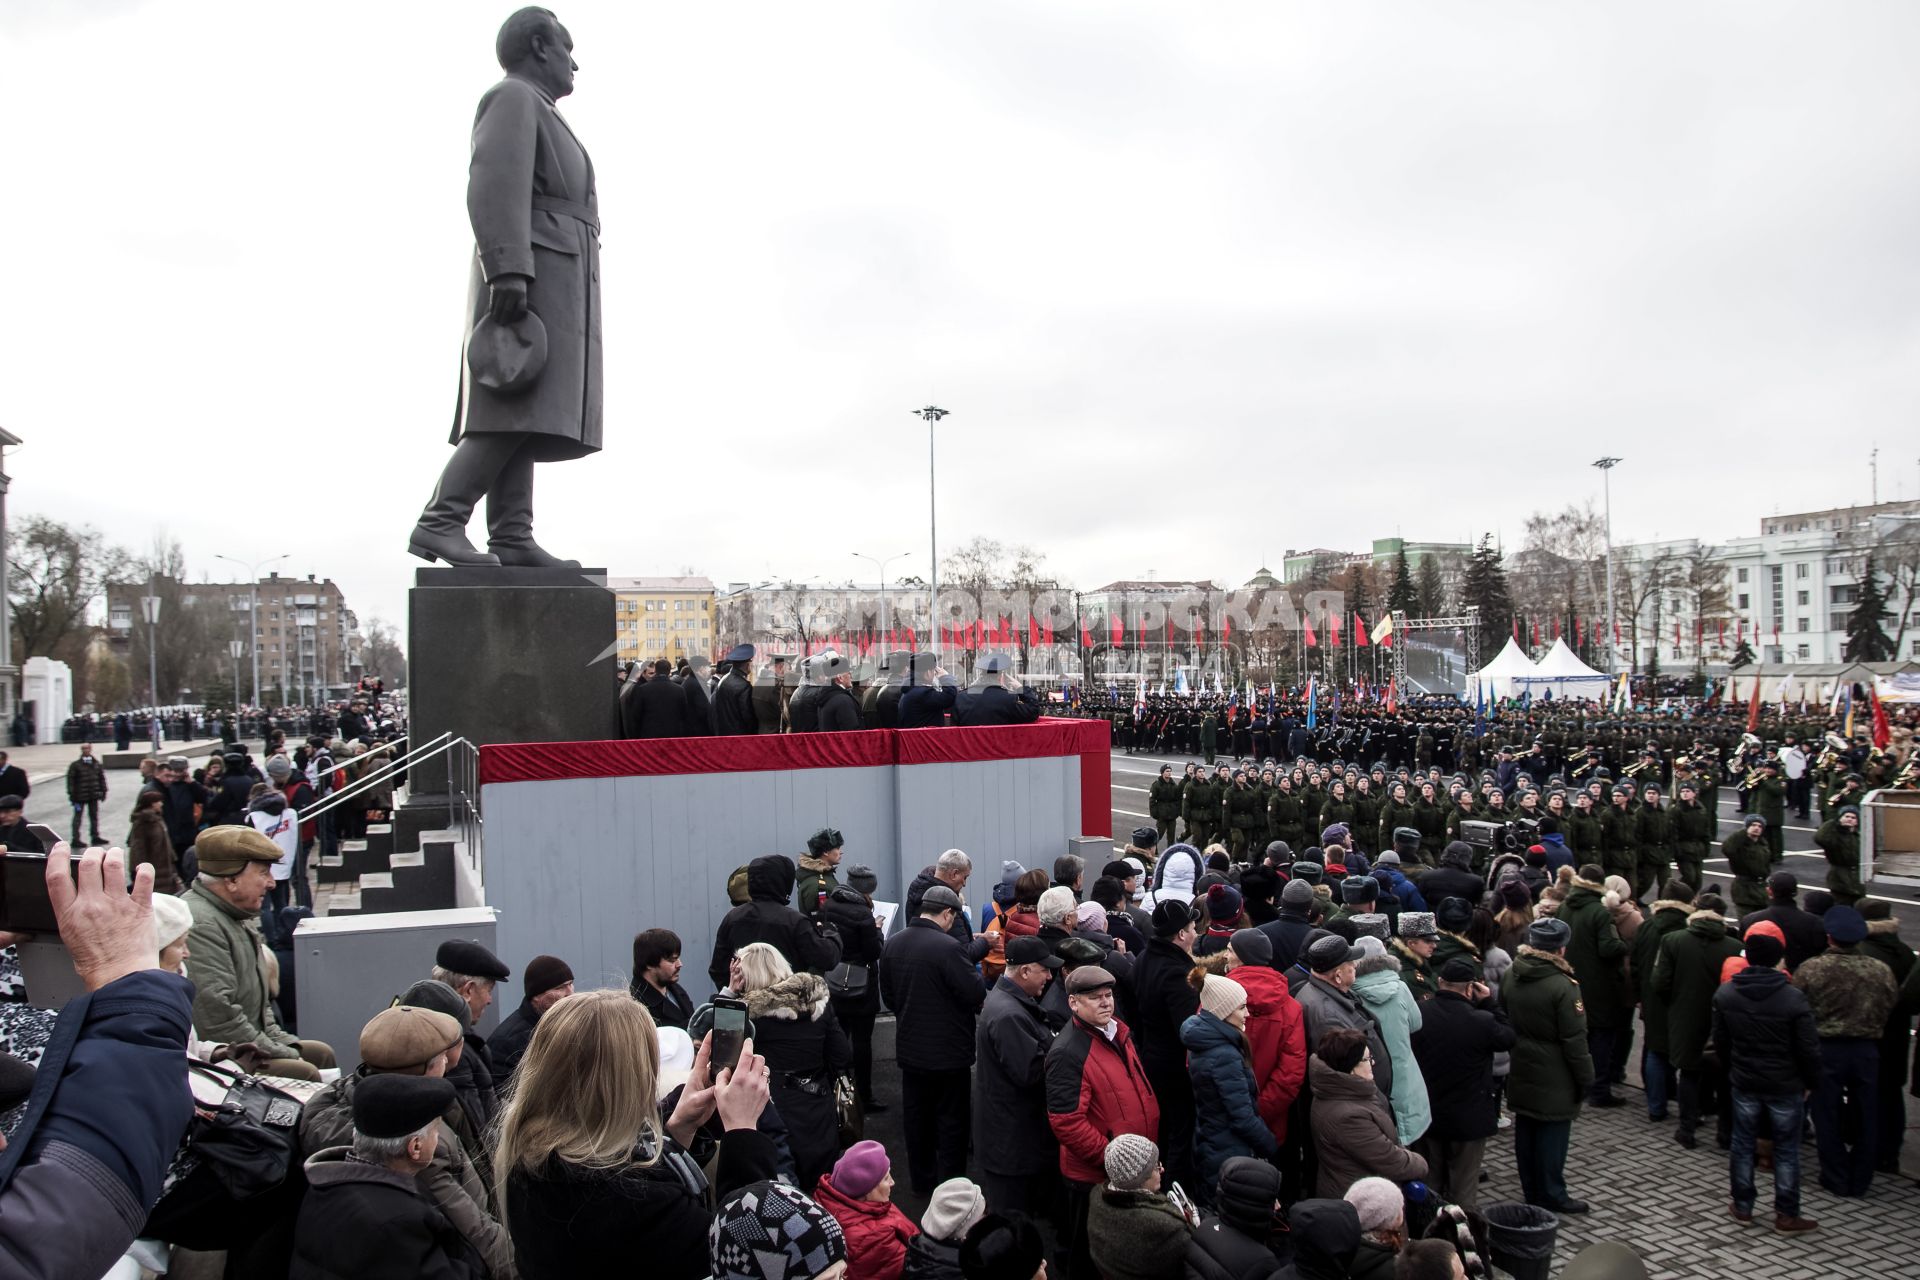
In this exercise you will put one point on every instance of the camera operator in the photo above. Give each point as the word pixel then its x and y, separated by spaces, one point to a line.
pixel 110 1100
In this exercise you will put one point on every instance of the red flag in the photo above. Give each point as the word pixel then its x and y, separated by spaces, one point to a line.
pixel 1556 626
pixel 1882 731
pixel 1226 632
pixel 1616 635
pixel 1516 631
pixel 1776 633
pixel 1046 630
pixel 1086 636
pixel 1753 705
pixel 1739 632
pixel 1333 633
pixel 1359 631
pixel 1536 633
pixel 1576 631
pixel 1170 640
pixel 1033 631
pixel 1143 631
pixel 1393 696
pixel 1676 633
pixel 1312 641
pixel 1118 628
pixel 1200 631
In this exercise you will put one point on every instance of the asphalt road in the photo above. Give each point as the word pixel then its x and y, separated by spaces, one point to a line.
pixel 1132 775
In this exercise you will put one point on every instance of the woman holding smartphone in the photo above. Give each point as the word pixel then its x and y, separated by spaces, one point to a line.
pixel 593 1171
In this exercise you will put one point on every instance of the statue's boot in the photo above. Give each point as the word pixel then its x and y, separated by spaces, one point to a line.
pixel 510 518
pixel 434 544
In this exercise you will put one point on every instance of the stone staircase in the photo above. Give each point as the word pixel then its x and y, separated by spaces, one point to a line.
pixel 377 875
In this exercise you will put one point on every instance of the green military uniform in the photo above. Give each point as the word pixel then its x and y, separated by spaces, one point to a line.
pixel 1243 818
pixel 1284 818
pixel 1692 828
pixel 1852 993
pixel 1203 803
pixel 1619 840
pixel 1208 732
pixel 1432 826
pixel 1395 814
pixel 1552 1069
pixel 1666 916
pixel 1749 862
pixel 1655 841
pixel 1841 844
pixel 1163 806
pixel 1769 800
pixel 1415 972
pixel 1582 832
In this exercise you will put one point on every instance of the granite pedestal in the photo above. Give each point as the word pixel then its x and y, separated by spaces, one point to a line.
pixel 504 655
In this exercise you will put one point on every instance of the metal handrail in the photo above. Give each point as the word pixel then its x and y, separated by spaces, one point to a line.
pixel 379 774
pixel 463 786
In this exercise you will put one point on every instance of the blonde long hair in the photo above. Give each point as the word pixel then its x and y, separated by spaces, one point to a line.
pixel 584 1092
pixel 761 965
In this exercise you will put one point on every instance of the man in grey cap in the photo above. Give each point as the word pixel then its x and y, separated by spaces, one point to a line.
pixel 1552 1070
pixel 1011 1137
pixel 935 994
pixel 1288 931
pixel 997 696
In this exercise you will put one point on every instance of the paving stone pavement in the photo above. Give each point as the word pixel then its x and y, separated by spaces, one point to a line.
pixel 1670 1204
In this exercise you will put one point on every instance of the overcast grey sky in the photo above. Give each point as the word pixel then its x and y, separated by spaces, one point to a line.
pixel 1198 282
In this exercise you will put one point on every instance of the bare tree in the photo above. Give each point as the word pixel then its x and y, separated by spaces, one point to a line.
pixel 382 656
pixel 55 574
pixel 1643 583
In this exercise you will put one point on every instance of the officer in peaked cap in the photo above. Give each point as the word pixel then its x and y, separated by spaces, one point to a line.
pixel 997 697
pixel 733 696
pixel 886 698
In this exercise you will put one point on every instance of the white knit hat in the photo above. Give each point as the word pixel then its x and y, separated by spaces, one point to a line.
pixel 956 1205
pixel 1221 996
pixel 171 919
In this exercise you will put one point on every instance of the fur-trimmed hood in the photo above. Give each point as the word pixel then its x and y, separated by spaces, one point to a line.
pixel 1553 958
pixel 1669 904
pixel 819 866
pixel 790 998
pixel 1882 927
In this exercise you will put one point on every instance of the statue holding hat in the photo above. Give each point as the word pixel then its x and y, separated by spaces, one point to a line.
pixel 531 370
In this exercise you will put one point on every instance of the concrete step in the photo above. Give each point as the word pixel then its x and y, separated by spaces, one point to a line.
pixel 344 904
pixel 422 881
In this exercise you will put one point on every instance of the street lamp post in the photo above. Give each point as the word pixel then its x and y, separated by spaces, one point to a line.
pixel 932 414
pixel 236 648
pixel 150 610
pixel 882 563
pixel 1606 466
pixel 253 613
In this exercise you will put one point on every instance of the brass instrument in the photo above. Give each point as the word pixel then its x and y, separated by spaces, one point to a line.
pixel 1633 770
pixel 1747 783
pixel 1588 767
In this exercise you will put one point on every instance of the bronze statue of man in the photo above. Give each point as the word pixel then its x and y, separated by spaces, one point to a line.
pixel 535 279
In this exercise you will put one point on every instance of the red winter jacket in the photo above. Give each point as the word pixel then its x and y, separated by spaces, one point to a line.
pixel 877 1233
pixel 1096 1089
pixel 1277 1038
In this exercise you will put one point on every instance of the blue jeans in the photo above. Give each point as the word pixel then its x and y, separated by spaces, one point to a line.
pixel 1786 1114
pixel 1659 1077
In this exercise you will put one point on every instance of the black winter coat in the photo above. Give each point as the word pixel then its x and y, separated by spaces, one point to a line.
pixel 699 707
pixel 1763 1028
pixel 1163 1000
pixel 839 711
pixel 362 1221
pixel 922 707
pixel 656 708
pixel 930 1259
pixel 509 1041
pixel 803 709
pixel 1287 932
pixel 796 1032
pixel 570 1221
pixel 962 929
pixel 935 995
pixel 995 705
pixel 1440 883
pixel 733 706
pixel 1806 935
pixel 670 1008
pixel 1454 1047
pixel 851 915
pixel 766 917
pixel 1011 1134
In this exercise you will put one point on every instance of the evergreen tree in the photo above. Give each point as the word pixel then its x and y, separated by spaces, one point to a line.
pixel 1485 585
pixel 1742 655
pixel 1400 595
pixel 1866 636
pixel 1430 590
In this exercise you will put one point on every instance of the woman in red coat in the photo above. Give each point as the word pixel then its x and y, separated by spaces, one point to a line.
pixel 859 1195
pixel 1276 1028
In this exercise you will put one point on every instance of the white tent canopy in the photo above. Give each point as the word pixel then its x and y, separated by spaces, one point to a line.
pixel 1561 672
pixel 1502 677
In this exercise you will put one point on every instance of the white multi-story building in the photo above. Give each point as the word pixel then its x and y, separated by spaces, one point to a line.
pixel 1788 590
